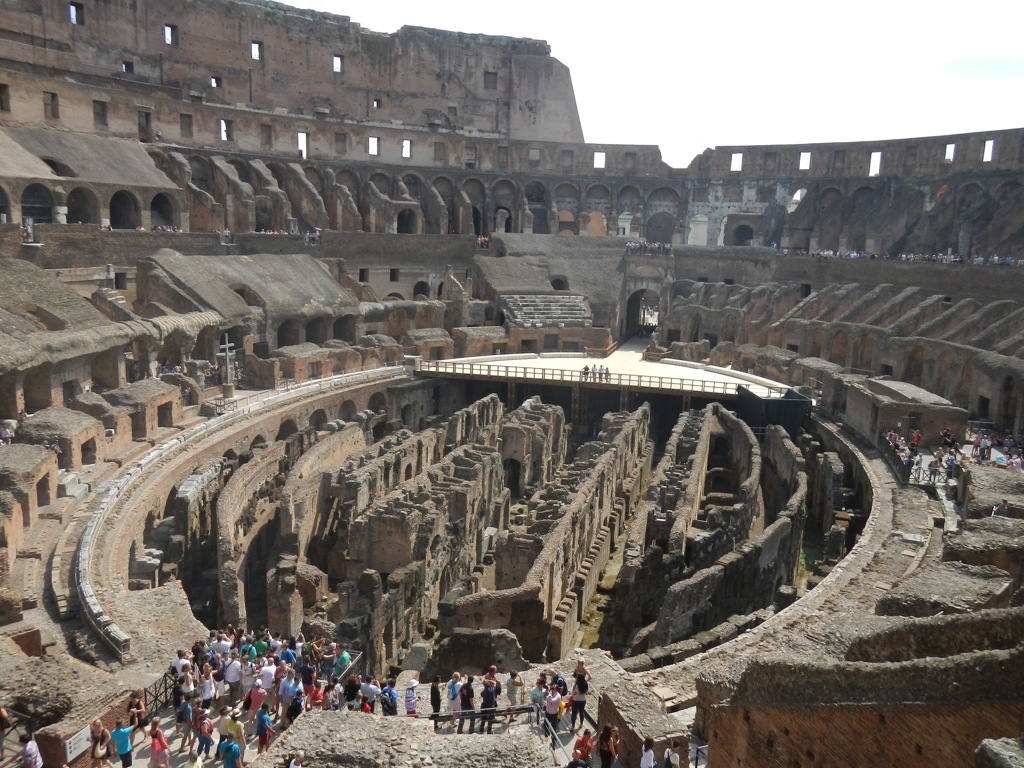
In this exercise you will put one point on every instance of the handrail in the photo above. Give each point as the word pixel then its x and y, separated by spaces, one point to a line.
pixel 92 609
pixel 566 375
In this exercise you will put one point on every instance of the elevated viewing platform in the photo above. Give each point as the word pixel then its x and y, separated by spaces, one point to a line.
pixel 626 368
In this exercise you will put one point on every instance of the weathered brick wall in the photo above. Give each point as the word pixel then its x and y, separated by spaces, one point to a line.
pixel 63 246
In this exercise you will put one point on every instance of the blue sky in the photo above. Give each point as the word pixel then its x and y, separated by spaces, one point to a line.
pixel 688 76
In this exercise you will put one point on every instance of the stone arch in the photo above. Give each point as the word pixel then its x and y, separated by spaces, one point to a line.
pixel 560 284
pixel 350 181
pixel 840 348
pixel 503 194
pixel 730 327
pixel 347 411
pixel 814 343
pixel 317 419
pixel 382 182
pixel 242 169
pixel 637 307
pixel 422 288
pixel 742 235
pixel 660 227
pixel 599 199
pixel 288 333
pixel 828 198
pixel 202 173
pixel 317 330
pixel 629 200
pixel 394 296
pixel 378 402
pixel 258 442
pixel 162 211
pixel 59 168
pixel 968 196
pixel 913 366
pixel 405 223
pixel 314 177
pixel 5 206
pixel 537 200
pixel 83 206
pixel 446 190
pixel 567 198
pixel 1006 189
pixel 862 199
pixel 124 210
pixel 37 204
pixel 287 429
pixel 866 354
pixel 413 185
pixel 345 328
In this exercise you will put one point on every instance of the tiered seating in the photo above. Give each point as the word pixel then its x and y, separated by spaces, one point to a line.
pixel 547 310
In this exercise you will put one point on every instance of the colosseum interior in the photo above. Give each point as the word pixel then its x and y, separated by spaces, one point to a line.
pixel 314 328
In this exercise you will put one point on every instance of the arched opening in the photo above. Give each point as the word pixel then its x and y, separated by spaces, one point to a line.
pixel 382 182
pixel 505 198
pixel 317 330
pixel 287 429
pixel 257 443
pixel 378 403
pixel 345 328
pixel 560 284
pixel 513 477
pixel 37 205
pixel 478 222
pixel 537 201
pixel 5 210
pixel 840 348
pixel 406 224
pixel 862 199
pixel 288 333
pixel 313 177
pixel 660 228
pixel 124 211
pixel 83 207
pixel 641 313
pixel 161 211
pixel 742 235
pixel 347 412
pixel 421 289
pixel 394 296
pixel 794 201
pixel 317 419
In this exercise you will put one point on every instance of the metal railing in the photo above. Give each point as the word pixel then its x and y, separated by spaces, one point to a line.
pixel 895 461
pixel 159 694
pixel 569 376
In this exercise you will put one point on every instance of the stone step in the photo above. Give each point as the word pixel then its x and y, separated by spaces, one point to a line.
pixel 25 574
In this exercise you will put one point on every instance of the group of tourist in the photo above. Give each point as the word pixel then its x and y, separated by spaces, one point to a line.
pixel 597 373
pixel 950 453
pixel 483 242
pixel 637 247
pixel 825 255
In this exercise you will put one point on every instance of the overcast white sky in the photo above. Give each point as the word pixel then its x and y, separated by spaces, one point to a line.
pixel 687 76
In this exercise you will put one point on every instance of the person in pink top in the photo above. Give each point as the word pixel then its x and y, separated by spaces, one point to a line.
pixel 257 695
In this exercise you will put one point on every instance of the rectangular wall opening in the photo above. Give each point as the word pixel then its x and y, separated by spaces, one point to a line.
pixel 5 98
pixel 407 148
pixel 988 151
pixel 51 105
pixel 599 159
pixel 185 126
pixel 302 141
pixel 875 166
pixel 256 50
pixel 372 145
pixel 338 64
pixel 99 114
pixel 364 275
pixel 165 415
pixel 805 161
pixel 170 34
pixel 227 130
pixel 950 152
pixel 76 14
pixel 736 164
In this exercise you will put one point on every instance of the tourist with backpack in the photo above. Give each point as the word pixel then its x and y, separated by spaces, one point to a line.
pixel 579 699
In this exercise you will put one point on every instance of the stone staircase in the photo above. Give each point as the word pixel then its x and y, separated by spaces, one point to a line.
pixel 547 310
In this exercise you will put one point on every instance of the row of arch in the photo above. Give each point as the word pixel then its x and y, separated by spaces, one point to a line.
pixel 40 204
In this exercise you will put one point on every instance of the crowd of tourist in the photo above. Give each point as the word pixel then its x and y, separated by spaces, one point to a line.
pixel 951 452
pixel 596 373
pixel 637 247
pixel 825 255
pixel 483 242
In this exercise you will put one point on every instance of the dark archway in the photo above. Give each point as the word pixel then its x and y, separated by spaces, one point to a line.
pixel 317 419
pixel 317 330
pixel 5 209
pixel 422 288
pixel 406 224
pixel 537 201
pixel 378 402
pixel 347 412
pixel 560 284
pixel 660 228
pixel 641 312
pixel 513 478
pixel 345 328
pixel 37 204
pixel 478 222
pixel 83 207
pixel 161 211
pixel 288 333
pixel 742 235
pixel 287 429
pixel 124 211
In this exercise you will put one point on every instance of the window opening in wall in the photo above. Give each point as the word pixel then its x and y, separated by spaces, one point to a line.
pixel 805 161
pixel 793 347
pixel 440 152
pixel 737 162
pixel 950 153
pixel 373 145
pixel 805 290
pixel 266 136
pixel 338 63
pixel 406 148
pixel 503 157
pixel 886 370
pixel 630 161
pixel 170 34
pixel 145 125
pixel 227 132
pixel 185 126
pixel 303 143
pixel 729 281
pixel 364 275
pixel 51 105
pixel 340 143
pixel 534 154
pixel 490 81
pixel 128 67
pixel 599 159
pixel 393 275
pixel 216 81
pixel 5 98
pixel 99 114
pixel 469 157
pixel 453 111
pixel 567 158
pixel 875 167
pixel 986 155
pixel 256 50
pixel 378 103
pixel 76 14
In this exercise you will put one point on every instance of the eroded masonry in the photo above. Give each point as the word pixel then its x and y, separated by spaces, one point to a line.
pixel 315 328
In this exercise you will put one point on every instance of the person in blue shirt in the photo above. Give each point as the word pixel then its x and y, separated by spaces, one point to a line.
pixel 122 737
pixel 230 752
pixel 264 728
pixel 288 656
